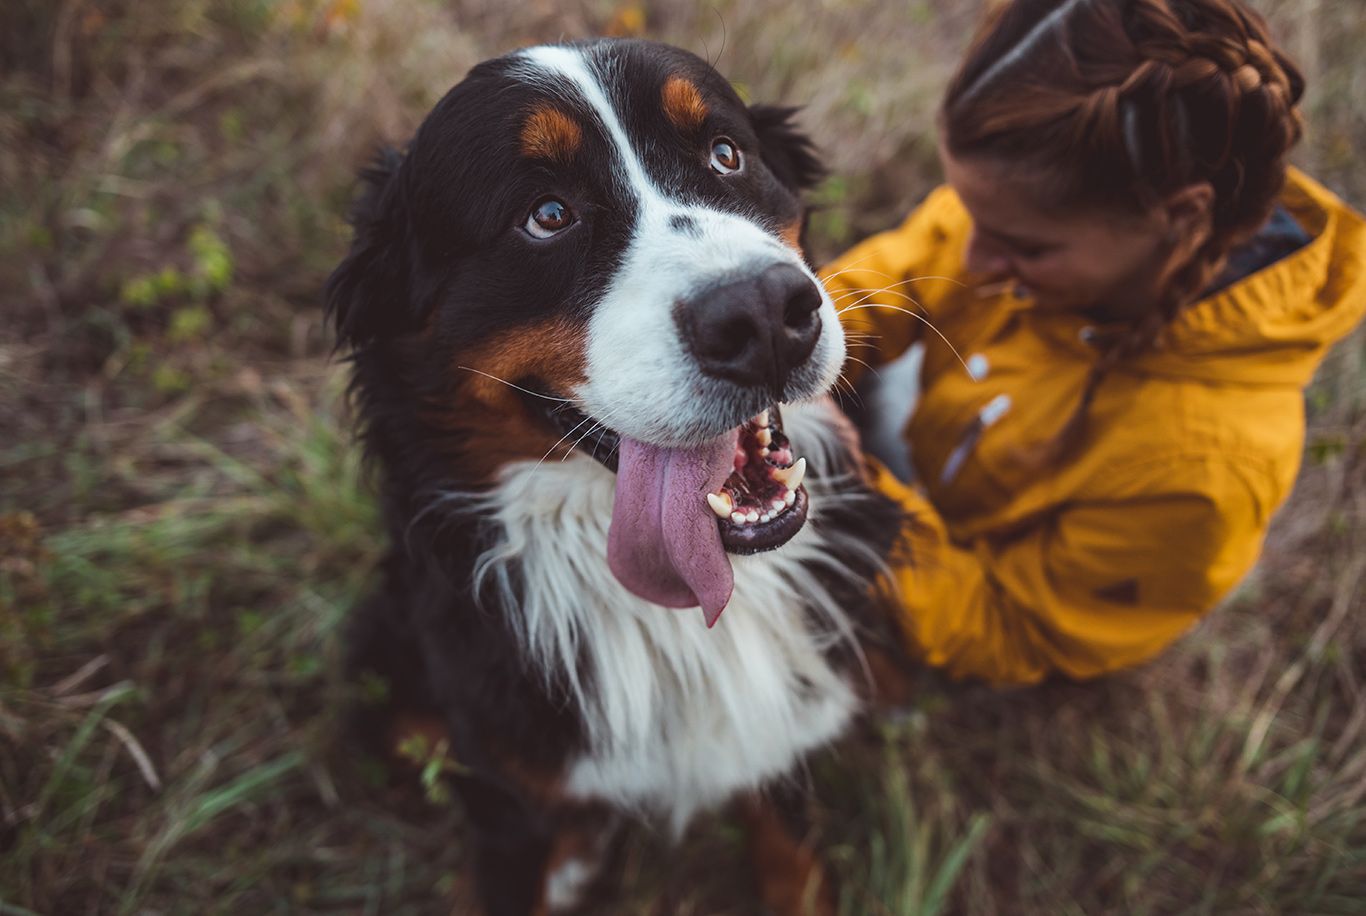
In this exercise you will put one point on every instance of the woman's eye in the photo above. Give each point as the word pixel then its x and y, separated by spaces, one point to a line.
pixel 725 156
pixel 548 217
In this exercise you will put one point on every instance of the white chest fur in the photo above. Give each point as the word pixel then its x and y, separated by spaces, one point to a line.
pixel 679 717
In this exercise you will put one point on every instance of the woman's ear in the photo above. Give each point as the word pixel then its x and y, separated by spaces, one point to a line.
pixel 368 293
pixel 1189 214
pixel 785 148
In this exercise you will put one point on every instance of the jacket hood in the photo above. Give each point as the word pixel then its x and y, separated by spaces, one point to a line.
pixel 1274 326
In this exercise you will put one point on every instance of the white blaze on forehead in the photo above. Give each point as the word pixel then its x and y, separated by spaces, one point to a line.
pixel 640 380
pixel 571 65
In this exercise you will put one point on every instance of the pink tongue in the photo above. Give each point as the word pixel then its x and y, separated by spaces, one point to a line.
pixel 664 544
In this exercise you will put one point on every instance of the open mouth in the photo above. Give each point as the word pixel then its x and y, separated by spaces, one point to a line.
pixel 679 512
pixel 762 504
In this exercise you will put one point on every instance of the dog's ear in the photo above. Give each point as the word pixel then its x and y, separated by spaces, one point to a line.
pixel 788 152
pixel 369 293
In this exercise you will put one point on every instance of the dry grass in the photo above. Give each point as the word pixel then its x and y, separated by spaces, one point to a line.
pixel 183 522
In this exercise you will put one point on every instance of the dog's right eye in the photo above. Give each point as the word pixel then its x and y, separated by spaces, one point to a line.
pixel 548 217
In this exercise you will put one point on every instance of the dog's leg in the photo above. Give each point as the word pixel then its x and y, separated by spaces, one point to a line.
pixel 384 652
pixel 578 875
pixel 534 854
pixel 538 863
pixel 530 857
pixel 512 845
pixel 510 835
pixel 790 878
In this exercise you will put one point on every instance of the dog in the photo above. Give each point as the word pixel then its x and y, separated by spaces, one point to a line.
pixel 589 363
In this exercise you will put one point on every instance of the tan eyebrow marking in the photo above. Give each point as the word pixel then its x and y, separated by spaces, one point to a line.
pixel 550 134
pixel 683 103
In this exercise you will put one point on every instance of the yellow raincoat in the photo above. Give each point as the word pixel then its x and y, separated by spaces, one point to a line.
pixel 1020 572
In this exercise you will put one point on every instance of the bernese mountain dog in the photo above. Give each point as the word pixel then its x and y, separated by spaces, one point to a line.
pixel 591 367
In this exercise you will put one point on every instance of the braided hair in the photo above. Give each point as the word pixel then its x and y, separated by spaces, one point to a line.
pixel 1114 104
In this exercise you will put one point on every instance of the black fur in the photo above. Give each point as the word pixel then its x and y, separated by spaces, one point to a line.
pixel 789 152
pixel 377 269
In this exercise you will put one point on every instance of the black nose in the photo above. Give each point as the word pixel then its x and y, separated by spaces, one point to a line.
pixel 753 331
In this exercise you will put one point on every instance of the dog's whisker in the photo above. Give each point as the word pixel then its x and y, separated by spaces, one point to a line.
pixel 890 288
pixel 550 451
pixel 855 359
pixel 591 430
pixel 843 386
pixel 870 295
pixel 855 266
pixel 503 381
pixel 929 324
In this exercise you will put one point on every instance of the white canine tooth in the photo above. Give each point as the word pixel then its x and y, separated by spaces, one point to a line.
pixel 789 497
pixel 752 516
pixel 762 419
pixel 778 505
pixel 765 437
pixel 765 517
pixel 791 477
pixel 738 518
pixel 720 504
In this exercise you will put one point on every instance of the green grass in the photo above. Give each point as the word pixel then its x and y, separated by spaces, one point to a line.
pixel 184 521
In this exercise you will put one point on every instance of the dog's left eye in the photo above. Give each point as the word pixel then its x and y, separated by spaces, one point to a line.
pixel 548 217
pixel 725 156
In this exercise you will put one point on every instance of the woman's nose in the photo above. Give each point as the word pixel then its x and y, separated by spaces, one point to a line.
pixel 984 258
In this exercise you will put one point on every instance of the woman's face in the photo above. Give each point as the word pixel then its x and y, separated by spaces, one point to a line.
pixel 1110 267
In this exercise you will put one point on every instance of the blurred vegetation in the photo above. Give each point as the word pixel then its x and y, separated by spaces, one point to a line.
pixel 184 523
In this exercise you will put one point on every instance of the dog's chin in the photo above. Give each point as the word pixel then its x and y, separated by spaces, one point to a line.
pixel 761 505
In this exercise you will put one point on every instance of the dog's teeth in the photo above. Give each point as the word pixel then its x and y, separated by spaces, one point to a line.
pixel 765 517
pixel 762 419
pixel 752 516
pixel 778 505
pixel 765 437
pixel 721 504
pixel 789 497
pixel 738 518
pixel 791 477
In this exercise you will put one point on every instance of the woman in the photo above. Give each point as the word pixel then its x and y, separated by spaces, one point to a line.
pixel 1132 290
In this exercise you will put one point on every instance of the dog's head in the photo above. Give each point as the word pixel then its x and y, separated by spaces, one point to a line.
pixel 597 245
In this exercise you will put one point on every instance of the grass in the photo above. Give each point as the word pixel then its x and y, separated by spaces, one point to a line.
pixel 183 521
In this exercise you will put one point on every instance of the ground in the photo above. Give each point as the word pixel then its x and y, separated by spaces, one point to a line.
pixel 184 522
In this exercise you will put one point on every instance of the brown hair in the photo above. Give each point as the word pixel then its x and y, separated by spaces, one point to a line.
pixel 1114 104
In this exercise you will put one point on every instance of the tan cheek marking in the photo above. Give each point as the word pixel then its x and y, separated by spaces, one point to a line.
pixel 550 134
pixel 791 235
pixel 683 104
pixel 491 419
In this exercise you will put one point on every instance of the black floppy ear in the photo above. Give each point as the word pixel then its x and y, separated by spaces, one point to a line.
pixel 788 152
pixel 369 293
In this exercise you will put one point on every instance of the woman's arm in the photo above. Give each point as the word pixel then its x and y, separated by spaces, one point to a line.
pixel 1092 589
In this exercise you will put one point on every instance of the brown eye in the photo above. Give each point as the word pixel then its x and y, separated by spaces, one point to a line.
pixel 548 217
pixel 725 156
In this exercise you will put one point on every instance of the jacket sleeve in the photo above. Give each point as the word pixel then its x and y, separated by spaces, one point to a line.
pixel 874 284
pixel 1094 588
